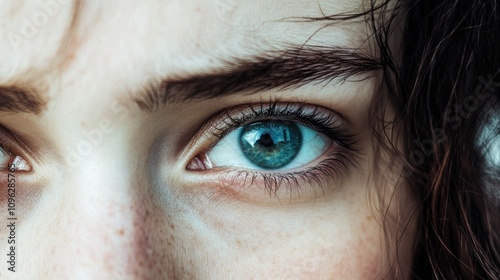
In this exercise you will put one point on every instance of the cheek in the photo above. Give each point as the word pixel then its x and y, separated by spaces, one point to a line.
pixel 353 262
pixel 349 254
pixel 322 242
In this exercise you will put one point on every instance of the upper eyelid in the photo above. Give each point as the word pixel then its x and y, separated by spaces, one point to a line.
pixel 286 107
pixel 10 152
pixel 6 142
pixel 17 146
pixel 194 148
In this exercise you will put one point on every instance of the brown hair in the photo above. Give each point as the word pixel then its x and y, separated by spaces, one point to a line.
pixel 443 86
pixel 444 91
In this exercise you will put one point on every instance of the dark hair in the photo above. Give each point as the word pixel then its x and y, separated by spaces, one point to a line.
pixel 443 85
pixel 444 90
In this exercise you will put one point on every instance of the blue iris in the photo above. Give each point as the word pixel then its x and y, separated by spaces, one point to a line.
pixel 271 144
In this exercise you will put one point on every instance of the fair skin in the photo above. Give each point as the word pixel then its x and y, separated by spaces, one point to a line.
pixel 122 204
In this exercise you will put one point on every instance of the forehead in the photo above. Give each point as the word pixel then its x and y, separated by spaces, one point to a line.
pixel 126 42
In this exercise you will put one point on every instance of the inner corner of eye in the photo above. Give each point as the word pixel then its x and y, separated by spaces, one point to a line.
pixel 9 161
pixel 200 162
pixel 21 165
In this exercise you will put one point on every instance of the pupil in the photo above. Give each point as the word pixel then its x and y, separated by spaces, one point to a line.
pixel 270 144
pixel 265 140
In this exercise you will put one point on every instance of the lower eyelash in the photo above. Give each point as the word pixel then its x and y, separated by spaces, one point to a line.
pixel 334 167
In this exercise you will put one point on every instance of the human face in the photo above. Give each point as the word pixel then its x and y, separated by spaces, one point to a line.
pixel 110 186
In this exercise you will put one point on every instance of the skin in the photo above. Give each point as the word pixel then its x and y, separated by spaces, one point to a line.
pixel 128 208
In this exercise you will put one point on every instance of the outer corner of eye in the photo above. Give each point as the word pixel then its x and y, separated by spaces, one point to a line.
pixel 200 162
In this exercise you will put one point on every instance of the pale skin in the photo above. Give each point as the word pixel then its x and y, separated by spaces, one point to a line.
pixel 125 206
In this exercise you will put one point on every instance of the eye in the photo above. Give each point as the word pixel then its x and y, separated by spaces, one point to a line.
pixel 272 145
pixel 269 145
pixel 11 162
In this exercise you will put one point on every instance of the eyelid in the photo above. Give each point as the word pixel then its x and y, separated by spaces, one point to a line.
pixel 323 120
pixel 324 174
pixel 318 180
pixel 227 120
pixel 16 147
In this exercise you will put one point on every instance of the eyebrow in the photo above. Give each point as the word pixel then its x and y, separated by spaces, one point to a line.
pixel 24 98
pixel 21 99
pixel 285 69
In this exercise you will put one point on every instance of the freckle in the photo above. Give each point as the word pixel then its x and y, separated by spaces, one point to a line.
pixel 121 232
pixel 218 224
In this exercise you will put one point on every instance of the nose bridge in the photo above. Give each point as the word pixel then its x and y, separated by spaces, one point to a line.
pixel 107 210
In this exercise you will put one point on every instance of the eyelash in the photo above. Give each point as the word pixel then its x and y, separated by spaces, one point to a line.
pixel 335 163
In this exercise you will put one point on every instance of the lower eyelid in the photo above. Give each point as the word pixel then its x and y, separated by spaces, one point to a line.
pixel 317 179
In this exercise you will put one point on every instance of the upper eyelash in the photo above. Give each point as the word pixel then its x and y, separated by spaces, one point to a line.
pixel 315 119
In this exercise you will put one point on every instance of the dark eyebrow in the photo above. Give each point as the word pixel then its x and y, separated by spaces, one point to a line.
pixel 17 99
pixel 282 70
pixel 25 98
